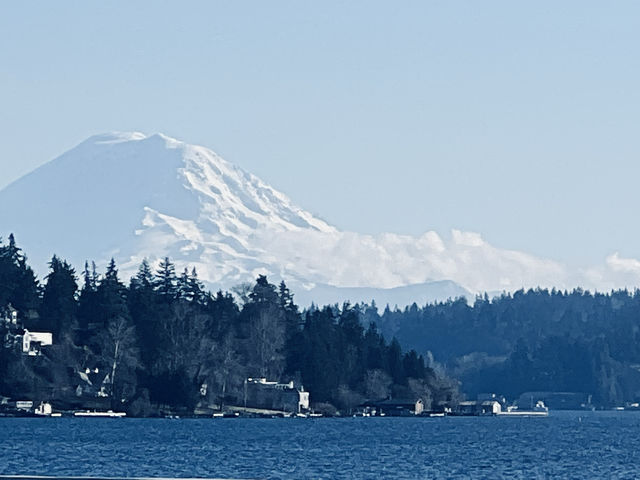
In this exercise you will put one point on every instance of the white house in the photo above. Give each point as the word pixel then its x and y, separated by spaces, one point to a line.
pixel 490 407
pixel 32 342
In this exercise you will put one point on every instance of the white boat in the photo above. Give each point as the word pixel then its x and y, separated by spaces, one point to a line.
pixel 108 414
pixel 540 410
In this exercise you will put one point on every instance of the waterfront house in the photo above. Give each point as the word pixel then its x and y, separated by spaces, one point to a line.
pixel 478 407
pixel 44 409
pixel 489 407
pixel 18 338
pixel 269 395
pixel 393 407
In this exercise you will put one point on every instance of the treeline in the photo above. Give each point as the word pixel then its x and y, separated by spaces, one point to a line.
pixel 163 340
pixel 535 340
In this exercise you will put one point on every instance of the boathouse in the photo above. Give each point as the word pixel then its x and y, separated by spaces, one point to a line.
pixel 489 407
pixel 268 395
pixel 476 407
pixel 393 407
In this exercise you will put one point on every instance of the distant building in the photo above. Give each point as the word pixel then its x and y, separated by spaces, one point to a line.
pixel 478 407
pixel 32 342
pixel 467 407
pixel 9 315
pixel 19 339
pixel 556 400
pixel 393 407
pixel 489 407
pixel 269 395
pixel 92 382
pixel 25 405
pixel 44 409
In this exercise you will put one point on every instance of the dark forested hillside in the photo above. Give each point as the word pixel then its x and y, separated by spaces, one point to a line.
pixel 536 340
pixel 163 342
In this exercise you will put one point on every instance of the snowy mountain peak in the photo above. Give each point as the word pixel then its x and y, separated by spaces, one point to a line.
pixel 131 195
pixel 134 196
pixel 115 137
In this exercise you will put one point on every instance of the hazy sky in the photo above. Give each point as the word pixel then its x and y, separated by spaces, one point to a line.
pixel 520 122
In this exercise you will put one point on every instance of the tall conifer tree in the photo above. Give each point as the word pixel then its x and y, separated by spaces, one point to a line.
pixel 58 309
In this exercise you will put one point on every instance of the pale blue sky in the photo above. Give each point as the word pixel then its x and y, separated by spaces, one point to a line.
pixel 520 122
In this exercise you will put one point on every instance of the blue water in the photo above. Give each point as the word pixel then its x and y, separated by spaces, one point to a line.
pixel 564 445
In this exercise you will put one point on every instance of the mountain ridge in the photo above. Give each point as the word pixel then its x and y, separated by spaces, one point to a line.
pixel 133 196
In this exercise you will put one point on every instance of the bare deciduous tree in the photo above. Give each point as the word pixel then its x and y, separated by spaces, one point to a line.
pixel 267 344
pixel 120 354
pixel 226 368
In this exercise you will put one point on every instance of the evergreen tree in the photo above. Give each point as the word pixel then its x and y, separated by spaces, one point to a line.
pixel 394 359
pixel 18 284
pixel 190 288
pixel 58 309
pixel 222 314
pixel 413 365
pixel 166 281
pixel 293 334
pixel 374 347
pixel 88 304
pixel 142 302
pixel 351 345
pixel 144 277
pixel 182 285
pixel 111 297
pixel 320 366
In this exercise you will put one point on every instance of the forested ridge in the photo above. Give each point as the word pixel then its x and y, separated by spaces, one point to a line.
pixel 534 340
pixel 163 341
pixel 163 336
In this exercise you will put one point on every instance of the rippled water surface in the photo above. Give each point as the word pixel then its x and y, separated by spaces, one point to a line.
pixel 563 445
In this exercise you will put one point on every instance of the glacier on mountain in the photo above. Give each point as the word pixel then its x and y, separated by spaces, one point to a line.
pixel 134 196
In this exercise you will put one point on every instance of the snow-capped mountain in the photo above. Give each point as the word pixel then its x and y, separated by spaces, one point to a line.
pixel 135 196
